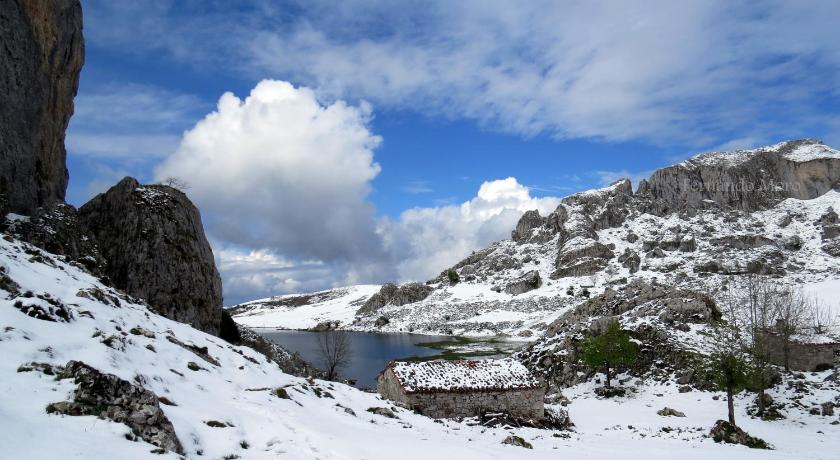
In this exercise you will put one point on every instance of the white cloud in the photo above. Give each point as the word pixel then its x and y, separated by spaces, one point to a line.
pixel 282 181
pixel 280 170
pixel 699 72
pixel 425 241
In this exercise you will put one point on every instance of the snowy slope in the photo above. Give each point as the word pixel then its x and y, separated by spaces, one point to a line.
pixel 474 307
pixel 304 311
pixel 315 422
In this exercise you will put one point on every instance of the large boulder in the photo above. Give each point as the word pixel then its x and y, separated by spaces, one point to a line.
pixel 110 397
pixel 391 294
pixel 154 248
pixel 40 60
pixel 527 282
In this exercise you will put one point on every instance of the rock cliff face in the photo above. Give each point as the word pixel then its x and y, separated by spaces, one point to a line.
pixel 40 60
pixel 747 180
pixel 391 294
pixel 154 248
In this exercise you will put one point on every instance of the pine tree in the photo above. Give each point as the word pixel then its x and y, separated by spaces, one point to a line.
pixel 729 364
pixel 453 277
pixel 611 348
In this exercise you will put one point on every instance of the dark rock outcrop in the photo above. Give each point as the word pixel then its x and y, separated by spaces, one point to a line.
pixel 533 228
pixel 40 60
pixel 391 294
pixel 607 207
pixel 745 180
pixel 110 397
pixel 724 431
pixel 527 282
pixel 154 248
pixel 581 257
pixel 57 229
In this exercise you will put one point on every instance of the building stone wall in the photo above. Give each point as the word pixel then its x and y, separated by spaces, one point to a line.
pixel 526 404
pixel 804 356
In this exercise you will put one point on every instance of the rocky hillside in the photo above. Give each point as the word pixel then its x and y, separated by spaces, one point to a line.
pixel 689 226
pixel 145 240
pixel 42 55
pixel 88 372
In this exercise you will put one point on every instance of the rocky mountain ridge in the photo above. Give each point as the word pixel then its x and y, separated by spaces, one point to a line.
pixel 690 226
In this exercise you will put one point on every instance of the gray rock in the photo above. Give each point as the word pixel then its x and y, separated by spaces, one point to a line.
pixel 154 248
pixel 724 431
pixel 57 229
pixel 529 222
pixel 685 377
pixel 391 294
pixel 630 259
pixel 582 260
pixel 527 282
pixel 517 441
pixel 763 179
pixel 43 52
pixel 827 409
pixel 383 411
pixel 668 412
pixel 110 397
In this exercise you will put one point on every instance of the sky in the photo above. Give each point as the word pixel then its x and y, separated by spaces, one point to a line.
pixel 368 141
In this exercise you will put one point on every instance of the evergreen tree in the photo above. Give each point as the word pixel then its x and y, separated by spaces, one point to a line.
pixel 453 277
pixel 729 364
pixel 611 348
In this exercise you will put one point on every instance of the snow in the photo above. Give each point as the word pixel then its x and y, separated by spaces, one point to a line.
pixel 810 152
pixel 463 375
pixel 312 424
pixel 334 305
pixel 802 153
pixel 473 308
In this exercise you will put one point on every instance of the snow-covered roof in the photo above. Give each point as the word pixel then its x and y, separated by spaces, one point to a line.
pixel 461 376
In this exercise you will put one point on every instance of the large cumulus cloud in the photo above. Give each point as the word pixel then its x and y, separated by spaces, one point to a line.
pixel 283 180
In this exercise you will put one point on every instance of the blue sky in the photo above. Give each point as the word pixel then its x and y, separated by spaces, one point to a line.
pixel 415 107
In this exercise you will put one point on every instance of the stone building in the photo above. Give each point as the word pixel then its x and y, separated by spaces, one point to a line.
pixel 806 353
pixel 464 388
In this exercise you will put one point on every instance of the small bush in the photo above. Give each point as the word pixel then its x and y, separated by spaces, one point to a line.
pixel 453 277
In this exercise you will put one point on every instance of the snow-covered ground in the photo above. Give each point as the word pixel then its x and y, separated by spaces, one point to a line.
pixel 304 311
pixel 317 421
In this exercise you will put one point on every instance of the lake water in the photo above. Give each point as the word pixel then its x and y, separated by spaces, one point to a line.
pixel 371 352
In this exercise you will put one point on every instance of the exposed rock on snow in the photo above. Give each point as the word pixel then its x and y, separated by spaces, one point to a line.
pixel 391 294
pixel 749 180
pixel 155 249
pixel 39 75
pixel 601 239
pixel 527 282
pixel 724 431
pixel 658 317
pixel 668 412
pixel 57 229
pixel 108 396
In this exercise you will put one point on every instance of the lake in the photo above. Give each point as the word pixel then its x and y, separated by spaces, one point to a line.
pixel 371 351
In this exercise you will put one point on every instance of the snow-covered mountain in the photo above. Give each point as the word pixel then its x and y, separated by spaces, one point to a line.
pixel 72 345
pixel 691 225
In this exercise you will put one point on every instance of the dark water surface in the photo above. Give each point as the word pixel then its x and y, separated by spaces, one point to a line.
pixel 371 351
